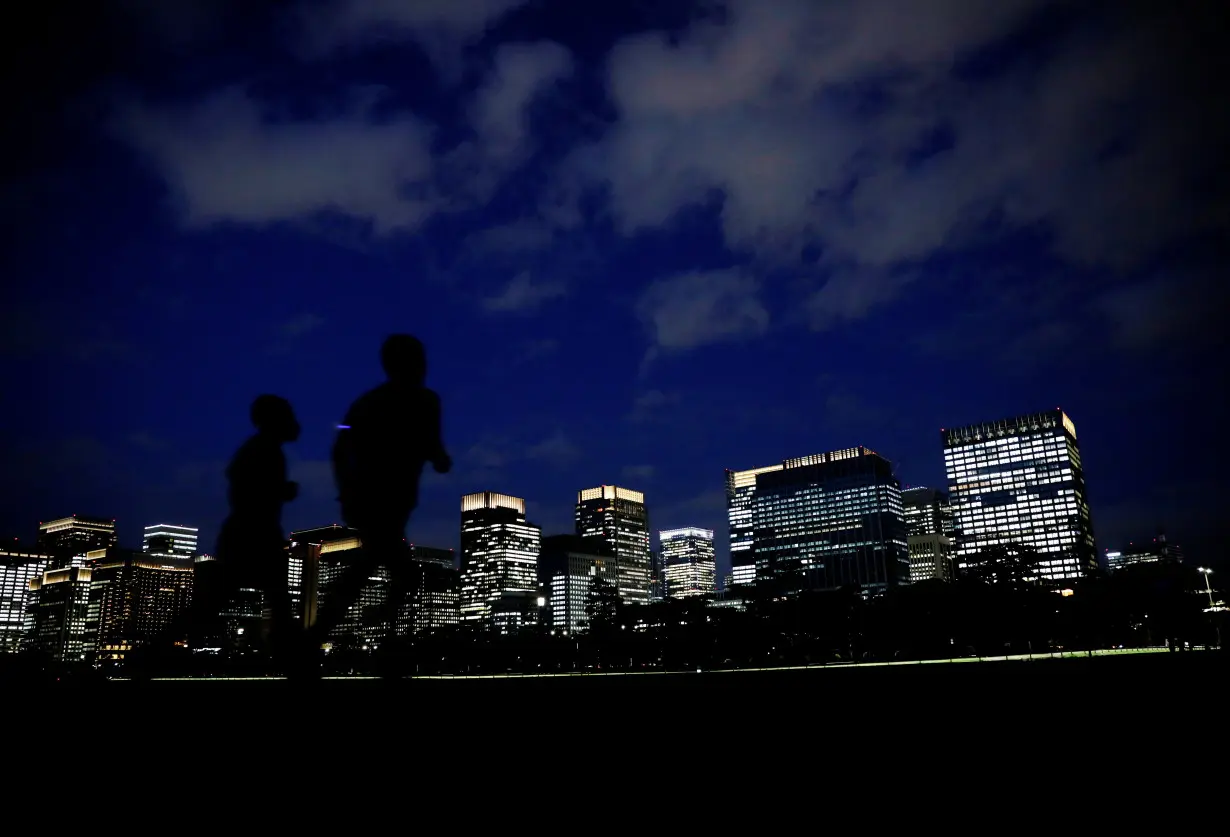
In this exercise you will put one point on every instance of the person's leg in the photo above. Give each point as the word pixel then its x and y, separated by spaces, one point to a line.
pixel 388 541
pixel 342 593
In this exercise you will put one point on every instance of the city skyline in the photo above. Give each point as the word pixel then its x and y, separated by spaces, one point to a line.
pixel 644 244
pixel 739 503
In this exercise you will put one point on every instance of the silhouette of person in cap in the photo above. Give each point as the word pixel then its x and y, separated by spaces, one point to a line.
pixel 250 550
pixel 386 438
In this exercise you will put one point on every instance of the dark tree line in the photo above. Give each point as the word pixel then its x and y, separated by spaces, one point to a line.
pixel 1001 606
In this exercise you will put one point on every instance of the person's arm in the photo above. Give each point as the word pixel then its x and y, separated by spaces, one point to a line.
pixel 440 460
pixel 343 458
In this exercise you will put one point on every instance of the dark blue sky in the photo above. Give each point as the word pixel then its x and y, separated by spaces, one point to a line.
pixel 644 242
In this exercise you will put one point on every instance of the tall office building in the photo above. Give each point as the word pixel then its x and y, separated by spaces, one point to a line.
pixel 618 517
pixel 68 539
pixel 59 611
pixel 830 520
pixel 566 568
pixel 305 551
pixel 740 503
pixel 1157 551
pixel 689 563
pixel 136 598
pixel 434 601
pixel 1019 481
pixel 656 584
pixel 499 557
pixel 18 567
pixel 929 529
pixel 171 541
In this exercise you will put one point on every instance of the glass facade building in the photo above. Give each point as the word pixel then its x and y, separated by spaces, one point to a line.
pixel 1019 481
pixel 499 554
pixel 135 598
pixel 568 566
pixel 18 567
pixel 68 539
pixel 689 563
pixel 59 612
pixel 170 540
pixel 740 504
pixel 830 520
pixel 618 517
pixel 929 528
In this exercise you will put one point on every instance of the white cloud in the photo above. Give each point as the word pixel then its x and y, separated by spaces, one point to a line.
pixel 498 112
pixel 651 403
pixel 697 308
pixel 804 119
pixel 556 449
pixel 441 27
pixel 523 294
pixel 638 472
pixel 224 161
pixel 500 116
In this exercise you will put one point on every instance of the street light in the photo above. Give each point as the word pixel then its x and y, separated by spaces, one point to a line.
pixel 1207 572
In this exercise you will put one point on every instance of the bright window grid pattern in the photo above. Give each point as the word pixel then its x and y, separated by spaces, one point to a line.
pixel 806 515
pixel 1017 463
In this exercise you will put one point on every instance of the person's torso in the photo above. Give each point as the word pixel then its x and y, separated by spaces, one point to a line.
pixel 256 482
pixel 391 431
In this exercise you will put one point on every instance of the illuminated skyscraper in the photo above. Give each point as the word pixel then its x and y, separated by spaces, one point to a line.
pixel 567 567
pixel 1157 551
pixel 830 520
pixel 68 539
pixel 306 573
pixel 59 611
pixel 689 564
pixel 171 541
pixel 1020 481
pixel 434 601
pixel 18 567
pixel 499 556
pixel 929 528
pixel 135 599
pixel 740 503
pixel 618 517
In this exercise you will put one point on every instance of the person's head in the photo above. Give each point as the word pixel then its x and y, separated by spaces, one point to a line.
pixel 273 416
pixel 404 359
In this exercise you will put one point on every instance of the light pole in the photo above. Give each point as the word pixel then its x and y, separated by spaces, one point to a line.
pixel 1207 572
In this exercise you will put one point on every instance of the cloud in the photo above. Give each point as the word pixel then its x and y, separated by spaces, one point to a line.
pixel 301 325
pixel 500 116
pixel 145 441
pixel 535 349
pixel 1162 310
pixel 441 27
pixel 523 294
pixel 850 295
pixel 694 309
pixel 556 449
pixel 498 112
pixel 638 472
pixel 707 509
pixel 225 159
pixel 845 408
pixel 233 158
pixel 883 132
pixel 650 404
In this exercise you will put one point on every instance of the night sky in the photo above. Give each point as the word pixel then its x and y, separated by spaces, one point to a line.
pixel 643 242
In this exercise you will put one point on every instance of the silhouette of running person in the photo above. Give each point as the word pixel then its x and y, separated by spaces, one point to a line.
pixel 250 551
pixel 386 438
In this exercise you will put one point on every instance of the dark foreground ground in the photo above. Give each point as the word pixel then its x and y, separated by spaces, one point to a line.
pixel 959 721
